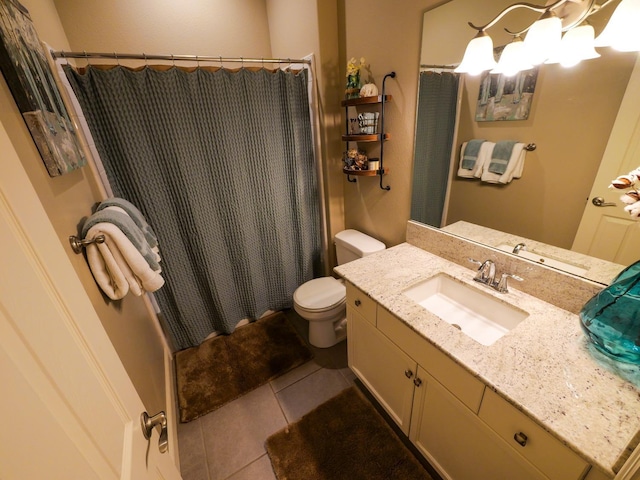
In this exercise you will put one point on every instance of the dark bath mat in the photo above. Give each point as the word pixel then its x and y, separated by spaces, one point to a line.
pixel 344 438
pixel 225 367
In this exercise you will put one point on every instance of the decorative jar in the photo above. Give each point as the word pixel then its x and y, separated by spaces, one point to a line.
pixel 611 319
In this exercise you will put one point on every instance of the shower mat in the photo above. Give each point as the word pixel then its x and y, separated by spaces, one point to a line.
pixel 226 367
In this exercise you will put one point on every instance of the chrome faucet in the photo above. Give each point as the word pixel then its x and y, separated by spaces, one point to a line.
pixel 518 247
pixel 487 276
pixel 486 272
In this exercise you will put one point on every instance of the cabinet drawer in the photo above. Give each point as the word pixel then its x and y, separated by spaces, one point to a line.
pixel 540 447
pixel 452 376
pixel 361 303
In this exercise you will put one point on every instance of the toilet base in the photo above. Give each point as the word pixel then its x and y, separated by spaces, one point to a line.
pixel 327 334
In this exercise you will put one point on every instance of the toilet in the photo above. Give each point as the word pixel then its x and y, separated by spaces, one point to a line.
pixel 322 301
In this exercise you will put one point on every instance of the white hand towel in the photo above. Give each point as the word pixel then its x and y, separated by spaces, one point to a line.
pixel 484 157
pixel 120 260
pixel 106 272
pixel 514 168
pixel 469 158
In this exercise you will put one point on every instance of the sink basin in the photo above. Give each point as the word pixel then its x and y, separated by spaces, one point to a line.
pixel 474 312
pixel 551 262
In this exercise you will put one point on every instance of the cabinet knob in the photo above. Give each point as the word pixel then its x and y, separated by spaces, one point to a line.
pixel 417 382
pixel 358 303
pixel 521 438
pixel 408 373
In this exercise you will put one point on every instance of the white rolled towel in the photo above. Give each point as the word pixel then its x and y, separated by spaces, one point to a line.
pixel 116 263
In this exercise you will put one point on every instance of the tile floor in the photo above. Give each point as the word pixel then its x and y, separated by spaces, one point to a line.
pixel 228 443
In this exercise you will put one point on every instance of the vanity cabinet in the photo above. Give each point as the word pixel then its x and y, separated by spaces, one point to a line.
pixel 463 428
pixel 387 372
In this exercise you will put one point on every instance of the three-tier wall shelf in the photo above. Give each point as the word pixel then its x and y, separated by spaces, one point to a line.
pixel 380 136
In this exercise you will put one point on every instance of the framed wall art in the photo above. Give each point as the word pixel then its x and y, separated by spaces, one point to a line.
pixel 24 65
pixel 506 98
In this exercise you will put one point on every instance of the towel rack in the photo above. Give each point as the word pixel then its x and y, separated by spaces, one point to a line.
pixel 77 244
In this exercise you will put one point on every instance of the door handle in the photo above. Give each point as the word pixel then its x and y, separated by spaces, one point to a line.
pixel 149 423
pixel 599 202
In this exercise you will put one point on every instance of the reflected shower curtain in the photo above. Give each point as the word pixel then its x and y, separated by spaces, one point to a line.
pixel 435 124
pixel 222 166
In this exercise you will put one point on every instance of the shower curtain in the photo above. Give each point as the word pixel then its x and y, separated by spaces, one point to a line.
pixel 222 166
pixel 435 125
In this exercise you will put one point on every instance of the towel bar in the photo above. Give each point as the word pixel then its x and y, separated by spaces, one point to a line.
pixel 77 244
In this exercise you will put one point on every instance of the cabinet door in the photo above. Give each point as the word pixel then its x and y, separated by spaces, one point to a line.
pixel 385 370
pixel 457 443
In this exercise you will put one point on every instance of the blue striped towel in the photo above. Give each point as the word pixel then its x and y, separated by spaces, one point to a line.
pixel 501 155
pixel 135 215
pixel 470 155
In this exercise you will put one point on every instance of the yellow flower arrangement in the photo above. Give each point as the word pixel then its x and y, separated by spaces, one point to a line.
pixel 353 77
pixel 354 68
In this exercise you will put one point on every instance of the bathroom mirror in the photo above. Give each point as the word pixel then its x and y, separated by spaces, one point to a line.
pixel 571 119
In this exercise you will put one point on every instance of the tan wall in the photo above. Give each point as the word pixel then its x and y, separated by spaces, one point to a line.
pixel 388 35
pixel 197 27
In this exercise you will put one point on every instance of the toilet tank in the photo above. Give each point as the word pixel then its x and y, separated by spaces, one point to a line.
pixel 352 244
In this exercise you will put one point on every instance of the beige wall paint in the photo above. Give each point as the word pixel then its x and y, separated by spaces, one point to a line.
pixel 191 27
pixel 388 35
pixel 67 199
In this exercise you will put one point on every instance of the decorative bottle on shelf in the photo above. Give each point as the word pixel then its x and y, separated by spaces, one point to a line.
pixel 353 86
pixel 611 319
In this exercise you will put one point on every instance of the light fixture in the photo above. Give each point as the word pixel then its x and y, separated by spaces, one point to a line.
pixel 513 60
pixel 543 43
pixel 478 56
pixel 621 33
pixel 576 45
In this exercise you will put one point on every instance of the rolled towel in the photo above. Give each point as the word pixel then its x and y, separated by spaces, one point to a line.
pixel 120 259
pixel 129 228
pixel 107 272
pixel 135 215
pixel 469 157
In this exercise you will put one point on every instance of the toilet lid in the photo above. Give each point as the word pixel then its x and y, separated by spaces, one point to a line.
pixel 320 294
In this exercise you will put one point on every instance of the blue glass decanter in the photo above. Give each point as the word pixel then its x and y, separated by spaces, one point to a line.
pixel 611 319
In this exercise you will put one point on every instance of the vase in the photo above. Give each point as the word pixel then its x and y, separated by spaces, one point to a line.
pixel 353 86
pixel 611 319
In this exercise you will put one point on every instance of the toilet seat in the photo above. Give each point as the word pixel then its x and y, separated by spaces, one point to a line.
pixel 320 294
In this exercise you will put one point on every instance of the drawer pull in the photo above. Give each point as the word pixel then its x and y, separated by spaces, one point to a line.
pixel 417 382
pixel 408 373
pixel 521 438
pixel 358 303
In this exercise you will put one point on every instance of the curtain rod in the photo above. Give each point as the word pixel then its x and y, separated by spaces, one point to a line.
pixel 442 67
pixel 173 58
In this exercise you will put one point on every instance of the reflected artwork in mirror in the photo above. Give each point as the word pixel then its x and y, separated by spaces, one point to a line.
pixel 580 120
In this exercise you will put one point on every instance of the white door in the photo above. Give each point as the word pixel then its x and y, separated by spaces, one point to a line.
pixel 608 232
pixel 68 410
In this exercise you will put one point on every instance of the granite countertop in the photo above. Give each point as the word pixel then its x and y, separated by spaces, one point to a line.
pixel 596 269
pixel 545 366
